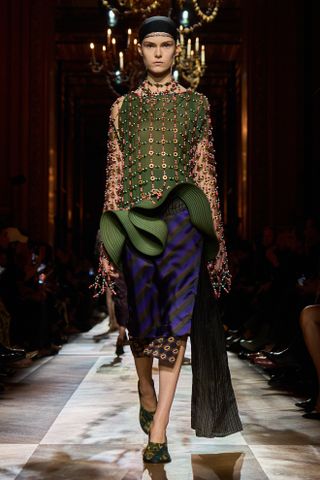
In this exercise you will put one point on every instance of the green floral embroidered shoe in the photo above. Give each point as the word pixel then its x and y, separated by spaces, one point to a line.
pixel 156 453
pixel 145 417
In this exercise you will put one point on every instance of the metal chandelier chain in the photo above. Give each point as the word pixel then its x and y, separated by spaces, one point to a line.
pixel 204 16
pixel 131 6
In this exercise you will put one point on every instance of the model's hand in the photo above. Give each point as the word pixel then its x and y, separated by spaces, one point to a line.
pixel 109 268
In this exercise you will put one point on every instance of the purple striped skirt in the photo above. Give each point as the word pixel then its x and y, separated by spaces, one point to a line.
pixel 161 290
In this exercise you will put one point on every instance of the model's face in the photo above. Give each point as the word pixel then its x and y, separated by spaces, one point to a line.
pixel 158 53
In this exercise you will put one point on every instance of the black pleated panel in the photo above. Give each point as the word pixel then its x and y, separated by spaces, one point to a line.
pixel 214 411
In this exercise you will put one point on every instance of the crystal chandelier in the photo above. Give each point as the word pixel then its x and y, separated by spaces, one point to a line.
pixel 123 69
pixel 191 61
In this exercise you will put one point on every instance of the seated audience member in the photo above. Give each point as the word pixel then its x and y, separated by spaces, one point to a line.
pixel 287 273
pixel 236 305
pixel 74 277
pixel 310 326
pixel 4 325
pixel 273 306
pixel 7 354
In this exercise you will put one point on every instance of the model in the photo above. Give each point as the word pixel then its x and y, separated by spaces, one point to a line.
pixel 161 227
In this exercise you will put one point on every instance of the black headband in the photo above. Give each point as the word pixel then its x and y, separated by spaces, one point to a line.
pixel 158 24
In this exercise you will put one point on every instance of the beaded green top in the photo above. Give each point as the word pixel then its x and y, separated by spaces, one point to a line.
pixel 158 135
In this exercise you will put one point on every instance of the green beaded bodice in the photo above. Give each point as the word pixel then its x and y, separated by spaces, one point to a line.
pixel 158 135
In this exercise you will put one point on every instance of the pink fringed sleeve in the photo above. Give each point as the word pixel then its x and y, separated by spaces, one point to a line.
pixel 205 176
pixel 113 196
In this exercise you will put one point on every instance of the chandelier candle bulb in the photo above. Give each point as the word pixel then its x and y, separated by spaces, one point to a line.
pixel 109 33
pixel 104 48
pixel 121 62
pixel 181 36
pixel 92 52
pixel 135 51
pixel 129 36
pixel 203 55
pixel 197 45
pixel 189 48
pixel 113 41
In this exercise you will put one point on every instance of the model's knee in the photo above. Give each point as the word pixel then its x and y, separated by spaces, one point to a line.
pixel 310 315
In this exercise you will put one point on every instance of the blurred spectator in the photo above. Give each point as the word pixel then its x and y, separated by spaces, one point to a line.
pixel 274 284
pixel 44 298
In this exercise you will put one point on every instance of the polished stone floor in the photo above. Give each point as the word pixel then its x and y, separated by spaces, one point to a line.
pixel 74 416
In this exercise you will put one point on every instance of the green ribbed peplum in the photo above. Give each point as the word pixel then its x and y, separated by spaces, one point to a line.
pixel 147 232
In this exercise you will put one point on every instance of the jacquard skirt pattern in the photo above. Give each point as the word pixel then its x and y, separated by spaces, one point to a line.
pixel 162 289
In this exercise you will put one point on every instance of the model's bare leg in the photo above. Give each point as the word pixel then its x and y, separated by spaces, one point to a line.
pixel 310 325
pixel 113 324
pixel 144 371
pixel 168 379
pixel 122 334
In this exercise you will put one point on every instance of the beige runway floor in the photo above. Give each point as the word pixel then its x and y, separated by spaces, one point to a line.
pixel 75 416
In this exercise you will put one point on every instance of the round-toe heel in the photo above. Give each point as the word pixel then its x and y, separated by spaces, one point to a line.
pixel 145 417
pixel 156 453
